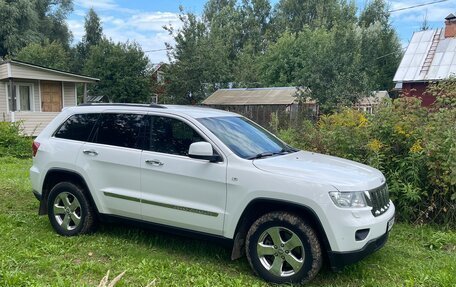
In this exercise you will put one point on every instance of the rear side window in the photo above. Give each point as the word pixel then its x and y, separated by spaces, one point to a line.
pixel 121 130
pixel 77 127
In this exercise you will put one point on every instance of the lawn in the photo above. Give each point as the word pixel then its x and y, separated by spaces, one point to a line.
pixel 32 254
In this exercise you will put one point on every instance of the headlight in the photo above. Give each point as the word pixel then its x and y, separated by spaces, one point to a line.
pixel 348 199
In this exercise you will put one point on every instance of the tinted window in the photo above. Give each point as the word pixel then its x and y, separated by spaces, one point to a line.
pixel 120 130
pixel 77 127
pixel 168 135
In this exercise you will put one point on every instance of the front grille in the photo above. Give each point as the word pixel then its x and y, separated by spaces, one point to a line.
pixel 378 198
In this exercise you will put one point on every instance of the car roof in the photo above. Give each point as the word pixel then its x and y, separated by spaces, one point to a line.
pixel 191 111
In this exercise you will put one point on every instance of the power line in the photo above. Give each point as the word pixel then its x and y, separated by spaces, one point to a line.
pixel 157 50
pixel 415 6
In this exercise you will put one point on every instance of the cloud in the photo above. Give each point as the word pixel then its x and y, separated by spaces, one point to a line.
pixel 434 13
pixel 154 21
pixel 103 5
pixel 77 28
pixel 144 28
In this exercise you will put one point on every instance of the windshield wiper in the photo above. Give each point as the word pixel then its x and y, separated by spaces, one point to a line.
pixel 261 155
pixel 285 150
pixel 288 149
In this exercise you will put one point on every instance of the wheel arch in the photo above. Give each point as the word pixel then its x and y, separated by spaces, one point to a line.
pixel 56 175
pixel 261 206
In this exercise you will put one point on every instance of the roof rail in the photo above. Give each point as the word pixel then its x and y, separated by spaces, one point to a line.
pixel 123 105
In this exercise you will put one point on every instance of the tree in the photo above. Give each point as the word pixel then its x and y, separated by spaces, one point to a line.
pixel 256 17
pixel 294 15
pixel 18 27
pixel 52 24
pixel 92 37
pixel 325 62
pixel 381 50
pixel 186 75
pixel 93 30
pixel 52 55
pixel 123 72
pixel 322 45
pixel 25 21
pixel 214 7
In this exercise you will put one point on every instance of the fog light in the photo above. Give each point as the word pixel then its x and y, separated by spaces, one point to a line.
pixel 361 234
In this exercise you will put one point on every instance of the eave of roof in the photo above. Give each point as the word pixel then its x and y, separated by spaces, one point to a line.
pixel 16 62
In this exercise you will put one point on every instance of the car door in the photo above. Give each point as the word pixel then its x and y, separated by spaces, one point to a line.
pixel 178 190
pixel 111 162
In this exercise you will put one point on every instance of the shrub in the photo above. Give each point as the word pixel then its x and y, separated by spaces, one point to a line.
pixel 414 147
pixel 12 143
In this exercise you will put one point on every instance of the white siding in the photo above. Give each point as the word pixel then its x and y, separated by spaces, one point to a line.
pixel 3 101
pixel 34 122
pixel 4 71
pixel 68 94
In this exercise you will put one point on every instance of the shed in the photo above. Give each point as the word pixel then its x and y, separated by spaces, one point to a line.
pixel 35 94
pixel 258 104
pixel 371 103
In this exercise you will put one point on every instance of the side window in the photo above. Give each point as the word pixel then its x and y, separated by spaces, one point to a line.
pixel 169 135
pixel 121 130
pixel 77 127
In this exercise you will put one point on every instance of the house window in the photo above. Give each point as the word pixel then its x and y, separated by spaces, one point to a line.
pixel 24 101
pixel 160 77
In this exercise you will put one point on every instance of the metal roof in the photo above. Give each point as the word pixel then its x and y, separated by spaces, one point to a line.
pixel 375 98
pixel 253 96
pixel 415 67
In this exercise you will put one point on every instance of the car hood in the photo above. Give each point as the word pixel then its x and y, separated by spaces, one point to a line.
pixel 344 175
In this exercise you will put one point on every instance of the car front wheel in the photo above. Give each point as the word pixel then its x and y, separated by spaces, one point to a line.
pixel 283 248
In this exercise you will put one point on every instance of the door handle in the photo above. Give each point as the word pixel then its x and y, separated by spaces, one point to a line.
pixel 90 152
pixel 154 162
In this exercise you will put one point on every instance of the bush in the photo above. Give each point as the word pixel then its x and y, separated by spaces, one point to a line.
pixel 12 143
pixel 414 147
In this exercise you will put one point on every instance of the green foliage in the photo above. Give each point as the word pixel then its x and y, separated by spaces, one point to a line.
pixel 186 74
pixel 52 55
pixel 19 22
pixel 415 148
pixel 324 46
pixel 12 143
pixel 93 30
pixel 294 15
pixel 123 72
pixel 92 37
pixel 24 22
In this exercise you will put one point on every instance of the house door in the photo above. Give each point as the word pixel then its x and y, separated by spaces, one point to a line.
pixel 51 96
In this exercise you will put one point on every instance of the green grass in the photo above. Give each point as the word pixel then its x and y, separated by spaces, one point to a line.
pixel 32 254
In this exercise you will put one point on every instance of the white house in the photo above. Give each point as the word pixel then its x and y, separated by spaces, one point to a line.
pixel 34 94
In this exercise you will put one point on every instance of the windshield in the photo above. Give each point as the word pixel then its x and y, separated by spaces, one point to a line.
pixel 245 138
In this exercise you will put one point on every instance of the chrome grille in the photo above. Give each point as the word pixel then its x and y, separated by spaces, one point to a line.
pixel 378 198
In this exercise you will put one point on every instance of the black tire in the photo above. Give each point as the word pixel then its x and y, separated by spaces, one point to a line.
pixel 305 258
pixel 69 210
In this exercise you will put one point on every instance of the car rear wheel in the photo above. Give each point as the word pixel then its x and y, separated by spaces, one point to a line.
pixel 282 248
pixel 69 210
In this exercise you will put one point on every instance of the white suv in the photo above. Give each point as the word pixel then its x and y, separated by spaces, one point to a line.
pixel 210 172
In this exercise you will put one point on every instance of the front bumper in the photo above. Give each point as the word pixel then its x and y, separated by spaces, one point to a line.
pixel 341 259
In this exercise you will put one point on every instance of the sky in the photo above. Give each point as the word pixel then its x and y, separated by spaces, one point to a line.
pixel 142 20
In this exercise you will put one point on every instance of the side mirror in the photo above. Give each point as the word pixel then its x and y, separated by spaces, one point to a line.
pixel 203 150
